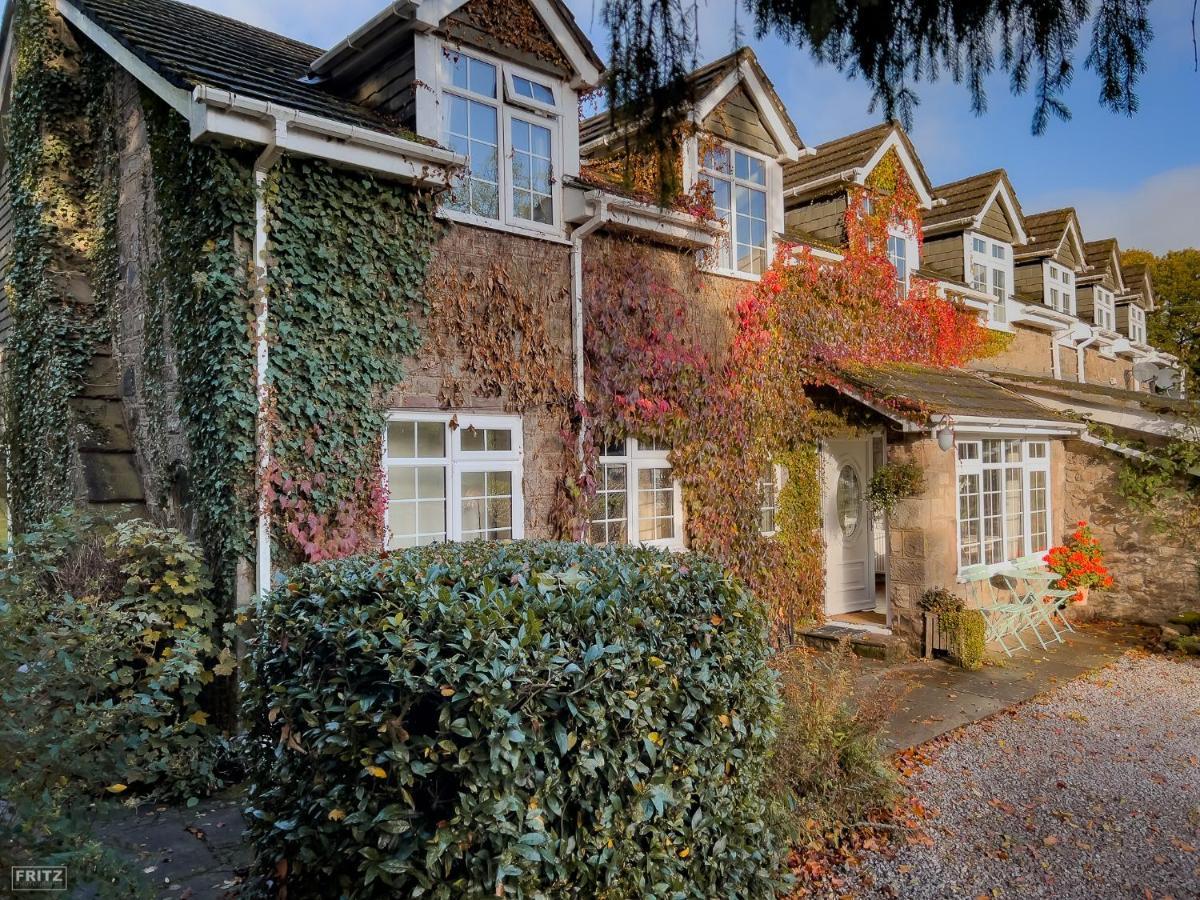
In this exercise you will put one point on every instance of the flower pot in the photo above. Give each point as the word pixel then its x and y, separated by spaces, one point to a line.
pixel 1081 595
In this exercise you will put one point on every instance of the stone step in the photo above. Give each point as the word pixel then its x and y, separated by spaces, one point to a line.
pixel 869 644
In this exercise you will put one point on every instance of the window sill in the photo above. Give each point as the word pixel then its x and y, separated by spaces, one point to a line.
pixel 730 273
pixel 453 215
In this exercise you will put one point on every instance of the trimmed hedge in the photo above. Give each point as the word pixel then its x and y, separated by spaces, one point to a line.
pixel 525 719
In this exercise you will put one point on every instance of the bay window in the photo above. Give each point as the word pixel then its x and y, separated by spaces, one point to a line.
pixel 637 499
pixel 1003 499
pixel 1103 309
pixel 452 483
pixel 738 181
pixel 506 122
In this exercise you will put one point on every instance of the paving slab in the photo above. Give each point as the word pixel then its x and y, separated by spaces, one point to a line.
pixel 939 696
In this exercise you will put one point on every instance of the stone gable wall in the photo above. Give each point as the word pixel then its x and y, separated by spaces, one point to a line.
pixel 1156 573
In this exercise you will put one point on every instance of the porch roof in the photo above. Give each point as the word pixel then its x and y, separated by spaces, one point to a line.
pixel 917 397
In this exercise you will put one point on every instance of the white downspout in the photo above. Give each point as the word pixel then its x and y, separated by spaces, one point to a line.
pixel 1080 357
pixel 262 167
pixel 577 360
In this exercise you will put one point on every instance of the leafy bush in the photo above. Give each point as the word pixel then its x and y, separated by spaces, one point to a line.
pixel 107 641
pixel 831 761
pixel 525 719
pixel 965 628
pixel 939 600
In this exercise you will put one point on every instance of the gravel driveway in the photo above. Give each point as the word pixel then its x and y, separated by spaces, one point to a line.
pixel 1090 792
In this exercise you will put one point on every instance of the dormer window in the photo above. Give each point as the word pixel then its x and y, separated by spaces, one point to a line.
pixel 1060 288
pixel 990 265
pixel 1137 324
pixel 739 184
pixel 505 120
pixel 1104 313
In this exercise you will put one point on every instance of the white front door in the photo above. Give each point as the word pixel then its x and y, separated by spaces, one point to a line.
pixel 849 575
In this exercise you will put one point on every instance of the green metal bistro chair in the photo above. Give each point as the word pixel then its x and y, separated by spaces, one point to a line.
pixel 1054 597
pixel 1030 586
pixel 1004 619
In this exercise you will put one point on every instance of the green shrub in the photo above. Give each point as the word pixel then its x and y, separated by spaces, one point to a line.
pixel 524 719
pixel 831 761
pixel 893 482
pixel 107 641
pixel 967 631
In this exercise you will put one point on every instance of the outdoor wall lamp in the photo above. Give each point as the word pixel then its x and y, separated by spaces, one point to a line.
pixel 944 432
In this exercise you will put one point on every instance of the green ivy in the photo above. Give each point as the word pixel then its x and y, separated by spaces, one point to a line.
pixel 349 255
pixel 202 291
pixel 63 208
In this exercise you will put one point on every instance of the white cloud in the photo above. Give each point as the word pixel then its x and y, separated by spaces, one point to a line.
pixel 1159 214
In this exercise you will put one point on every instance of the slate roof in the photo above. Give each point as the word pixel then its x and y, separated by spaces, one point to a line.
pixel 1097 394
pixel 914 393
pixel 1100 252
pixel 1045 230
pixel 966 197
pixel 189 46
pixel 850 152
pixel 701 82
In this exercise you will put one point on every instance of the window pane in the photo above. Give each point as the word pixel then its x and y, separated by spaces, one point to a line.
pixel 656 504
pixel 416 505
pixel 998 251
pixel 1014 512
pixel 401 440
pixel 482 77
pixel 431 439
pixel 979 245
pixel 487 505
pixel 992 451
pixel 968 520
pixel 531 172
pixel 1039 537
pixel 608 522
pixel 402 482
pixel 991 517
pixel 968 450
pixel 717 159
pixel 454 67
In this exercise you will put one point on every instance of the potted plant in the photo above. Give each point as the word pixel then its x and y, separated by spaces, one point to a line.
pixel 893 482
pixel 1079 563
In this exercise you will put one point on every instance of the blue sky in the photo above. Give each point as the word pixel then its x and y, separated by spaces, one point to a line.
pixel 1134 178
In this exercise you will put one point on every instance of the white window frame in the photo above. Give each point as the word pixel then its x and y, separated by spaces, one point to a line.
pixel 524 109
pixel 1059 286
pixel 780 479
pixel 636 459
pixel 976 467
pixel 692 170
pixel 1137 324
pixel 458 461
pixel 910 257
pixel 991 264
pixel 1104 309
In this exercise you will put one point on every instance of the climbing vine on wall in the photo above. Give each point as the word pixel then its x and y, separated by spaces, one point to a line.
pixel 201 286
pixel 62 196
pixel 729 416
pixel 346 291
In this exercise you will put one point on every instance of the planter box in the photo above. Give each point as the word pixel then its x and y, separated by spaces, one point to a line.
pixel 935 638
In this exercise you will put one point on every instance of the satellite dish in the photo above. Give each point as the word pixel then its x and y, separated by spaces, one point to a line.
pixel 1146 371
pixel 1165 379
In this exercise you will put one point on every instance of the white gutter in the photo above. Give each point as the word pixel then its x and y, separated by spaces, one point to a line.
pixel 217 113
pixel 262 433
pixel 844 175
pixel 360 37
pixel 1115 448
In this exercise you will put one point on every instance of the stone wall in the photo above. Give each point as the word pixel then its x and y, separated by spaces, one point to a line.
pixel 149 398
pixel 1107 371
pixel 439 377
pixel 1155 572
pixel 1028 353
pixel 921 532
